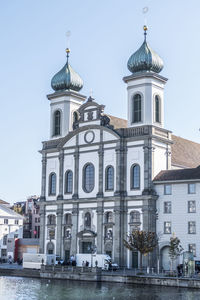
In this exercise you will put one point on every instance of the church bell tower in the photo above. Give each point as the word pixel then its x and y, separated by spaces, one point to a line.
pixel 145 87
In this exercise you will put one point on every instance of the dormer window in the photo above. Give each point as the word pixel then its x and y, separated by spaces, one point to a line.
pixel 137 108
pixel 157 109
pixel 57 119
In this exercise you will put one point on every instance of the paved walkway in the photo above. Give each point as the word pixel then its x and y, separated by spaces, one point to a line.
pixel 11 266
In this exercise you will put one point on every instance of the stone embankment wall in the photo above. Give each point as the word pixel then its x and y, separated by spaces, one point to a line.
pixel 96 275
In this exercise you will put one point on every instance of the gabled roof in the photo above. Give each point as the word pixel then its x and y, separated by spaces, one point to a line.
pixel 10 212
pixel 4 202
pixel 117 122
pixel 185 153
pixel 179 174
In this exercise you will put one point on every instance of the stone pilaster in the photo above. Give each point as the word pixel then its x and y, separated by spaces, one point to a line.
pixel 148 160
pixel 43 183
pixel 149 224
pixel 100 238
pixel 76 173
pixel 168 158
pixel 42 228
pixel 101 157
pixel 59 241
pixel 61 170
pixel 121 162
pixel 75 213
pixel 117 233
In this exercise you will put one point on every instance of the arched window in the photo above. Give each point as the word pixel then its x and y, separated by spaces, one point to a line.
pixel 68 182
pixel 135 217
pixel 88 178
pixel 52 184
pixel 75 116
pixel 137 108
pixel 109 178
pixel 51 220
pixel 68 219
pixel 57 119
pixel 157 109
pixel 87 220
pixel 135 177
pixel 109 217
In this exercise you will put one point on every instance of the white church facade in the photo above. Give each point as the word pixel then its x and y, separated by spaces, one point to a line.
pixel 98 171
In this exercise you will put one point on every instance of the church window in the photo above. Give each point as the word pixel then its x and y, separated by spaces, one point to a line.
pixel 51 220
pixel 157 109
pixel 109 217
pixel 68 182
pixel 75 116
pixel 88 178
pixel 57 119
pixel 135 217
pixel 109 178
pixel 68 219
pixel 52 184
pixel 137 108
pixel 135 177
pixel 87 220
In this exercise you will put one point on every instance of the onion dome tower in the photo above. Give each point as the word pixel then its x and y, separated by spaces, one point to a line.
pixel 145 59
pixel 65 100
pixel 67 78
pixel 145 87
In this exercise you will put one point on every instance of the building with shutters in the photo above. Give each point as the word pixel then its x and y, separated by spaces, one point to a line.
pixel 98 170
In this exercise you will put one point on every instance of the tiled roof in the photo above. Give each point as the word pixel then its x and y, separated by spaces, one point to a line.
pixel 185 153
pixel 4 202
pixel 117 122
pixel 179 174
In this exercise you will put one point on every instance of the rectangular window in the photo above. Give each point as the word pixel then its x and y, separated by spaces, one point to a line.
pixel 191 188
pixel 192 248
pixel 5 221
pixel 36 220
pixel 16 222
pixel 191 227
pixel 15 236
pixel 167 207
pixel 191 206
pixel 167 189
pixel 167 227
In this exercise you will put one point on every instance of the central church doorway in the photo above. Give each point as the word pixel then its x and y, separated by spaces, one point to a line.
pixel 86 247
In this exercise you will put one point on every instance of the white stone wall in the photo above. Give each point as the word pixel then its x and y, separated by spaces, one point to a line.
pixel 135 155
pixel 52 167
pixel 147 88
pixel 179 217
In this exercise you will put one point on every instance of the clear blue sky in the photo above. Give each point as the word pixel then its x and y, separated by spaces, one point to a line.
pixel 103 36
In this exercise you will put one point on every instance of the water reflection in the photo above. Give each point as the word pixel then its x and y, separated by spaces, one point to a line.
pixel 13 288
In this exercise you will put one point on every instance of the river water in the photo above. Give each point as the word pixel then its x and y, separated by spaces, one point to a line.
pixel 17 288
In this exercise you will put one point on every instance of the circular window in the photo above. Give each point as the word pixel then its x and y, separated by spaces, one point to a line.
pixel 89 137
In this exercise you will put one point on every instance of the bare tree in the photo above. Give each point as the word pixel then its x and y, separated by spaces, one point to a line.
pixel 175 249
pixel 143 241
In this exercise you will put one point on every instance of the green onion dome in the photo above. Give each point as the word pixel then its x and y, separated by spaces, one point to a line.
pixel 67 78
pixel 145 59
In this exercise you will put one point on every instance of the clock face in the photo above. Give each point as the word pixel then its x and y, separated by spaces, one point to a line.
pixel 89 137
